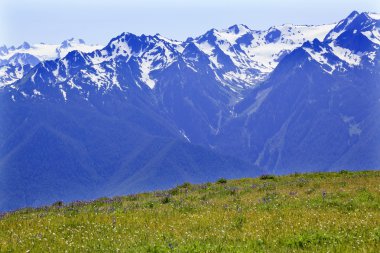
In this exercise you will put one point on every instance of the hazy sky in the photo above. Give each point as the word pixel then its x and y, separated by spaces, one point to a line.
pixel 98 21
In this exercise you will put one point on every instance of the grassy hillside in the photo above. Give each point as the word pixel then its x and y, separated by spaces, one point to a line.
pixel 322 212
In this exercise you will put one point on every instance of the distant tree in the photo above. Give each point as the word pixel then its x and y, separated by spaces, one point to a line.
pixel 221 181
pixel 267 176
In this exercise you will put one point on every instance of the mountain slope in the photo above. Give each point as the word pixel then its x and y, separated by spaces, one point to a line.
pixel 321 212
pixel 85 149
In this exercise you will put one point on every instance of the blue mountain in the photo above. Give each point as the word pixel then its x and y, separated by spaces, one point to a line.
pixel 147 112
pixel 319 108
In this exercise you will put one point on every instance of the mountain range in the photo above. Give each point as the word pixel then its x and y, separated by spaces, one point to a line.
pixel 17 61
pixel 147 112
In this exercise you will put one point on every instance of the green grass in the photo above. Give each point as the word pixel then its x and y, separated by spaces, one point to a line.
pixel 319 212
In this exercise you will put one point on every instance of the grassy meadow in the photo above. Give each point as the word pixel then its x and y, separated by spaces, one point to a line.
pixel 317 212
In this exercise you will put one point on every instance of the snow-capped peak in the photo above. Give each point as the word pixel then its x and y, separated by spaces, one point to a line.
pixel 49 51
pixel 237 56
pixel 24 45
pixel 71 43
pixel 15 62
pixel 239 29
pixel 353 39
pixel 253 53
pixel 355 21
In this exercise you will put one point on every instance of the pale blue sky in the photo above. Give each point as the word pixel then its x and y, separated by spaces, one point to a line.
pixel 98 21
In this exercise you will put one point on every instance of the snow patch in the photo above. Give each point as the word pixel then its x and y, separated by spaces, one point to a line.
pixel 375 16
pixel 346 55
pixel 354 129
pixel 145 70
pixel 184 135
pixel 36 92
pixel 373 35
pixel 63 94
pixel 320 58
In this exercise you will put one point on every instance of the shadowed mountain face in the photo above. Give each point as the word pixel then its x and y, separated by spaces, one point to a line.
pixel 147 113
pixel 304 119
pixel 77 150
